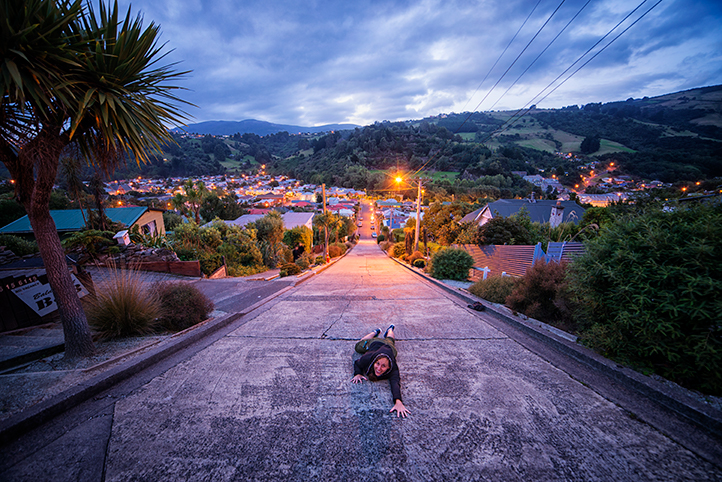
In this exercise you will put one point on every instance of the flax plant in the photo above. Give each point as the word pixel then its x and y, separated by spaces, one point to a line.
pixel 124 306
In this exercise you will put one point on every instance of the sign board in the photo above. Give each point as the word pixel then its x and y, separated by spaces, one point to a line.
pixel 39 296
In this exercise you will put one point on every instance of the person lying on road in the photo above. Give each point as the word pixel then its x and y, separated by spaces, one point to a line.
pixel 379 363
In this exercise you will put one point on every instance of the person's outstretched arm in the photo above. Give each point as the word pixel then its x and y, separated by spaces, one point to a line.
pixel 401 410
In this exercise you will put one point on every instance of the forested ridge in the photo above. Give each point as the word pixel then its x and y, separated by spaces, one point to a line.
pixel 677 137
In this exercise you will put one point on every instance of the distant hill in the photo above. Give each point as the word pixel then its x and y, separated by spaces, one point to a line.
pixel 253 126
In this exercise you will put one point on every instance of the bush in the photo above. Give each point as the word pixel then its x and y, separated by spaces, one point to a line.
pixel 542 294
pixel 414 256
pixel 386 245
pixel 123 306
pixel 452 263
pixel 399 250
pixel 209 262
pixel 182 305
pixel 342 246
pixel 289 269
pixel 495 288
pixel 648 292
pixel 303 263
pixel 17 245
pixel 419 263
pixel 334 251
pixel 320 260
pixel 90 240
pixel 380 238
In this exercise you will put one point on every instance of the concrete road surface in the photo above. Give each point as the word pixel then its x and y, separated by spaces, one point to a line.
pixel 272 400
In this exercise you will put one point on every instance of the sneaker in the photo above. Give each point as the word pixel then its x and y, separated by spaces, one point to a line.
pixel 387 330
pixel 377 331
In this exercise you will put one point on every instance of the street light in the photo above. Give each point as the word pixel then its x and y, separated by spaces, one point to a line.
pixel 418 209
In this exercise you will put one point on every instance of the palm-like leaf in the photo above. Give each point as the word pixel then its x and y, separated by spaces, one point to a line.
pixel 36 56
pixel 124 100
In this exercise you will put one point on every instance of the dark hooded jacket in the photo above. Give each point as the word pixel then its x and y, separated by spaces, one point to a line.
pixel 364 366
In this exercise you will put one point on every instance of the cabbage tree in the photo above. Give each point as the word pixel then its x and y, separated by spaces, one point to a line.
pixel 75 80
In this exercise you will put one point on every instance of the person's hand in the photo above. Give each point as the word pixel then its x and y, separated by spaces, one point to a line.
pixel 358 379
pixel 401 410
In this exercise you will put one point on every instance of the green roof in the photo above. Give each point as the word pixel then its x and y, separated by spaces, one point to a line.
pixel 72 219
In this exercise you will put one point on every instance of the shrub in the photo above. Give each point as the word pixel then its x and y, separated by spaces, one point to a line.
pixel 334 251
pixel 182 305
pixel 320 260
pixel 18 245
pixel 342 246
pixel 399 250
pixel 648 291
pixel 542 294
pixel 90 240
pixel 298 235
pixel 414 256
pixel 380 238
pixel 303 263
pixel 123 306
pixel 209 262
pixel 386 245
pixel 211 237
pixel 289 269
pixel 452 263
pixel 494 288
pixel 419 263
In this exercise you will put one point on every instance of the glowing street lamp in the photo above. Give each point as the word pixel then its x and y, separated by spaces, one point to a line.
pixel 418 210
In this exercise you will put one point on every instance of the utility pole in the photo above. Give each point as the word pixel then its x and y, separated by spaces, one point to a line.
pixel 418 217
pixel 323 188
pixel 325 225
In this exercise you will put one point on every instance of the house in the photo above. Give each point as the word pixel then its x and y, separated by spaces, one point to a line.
pixel 290 220
pixel 271 199
pixel 389 203
pixel 602 200
pixel 148 220
pixel 502 260
pixel 540 211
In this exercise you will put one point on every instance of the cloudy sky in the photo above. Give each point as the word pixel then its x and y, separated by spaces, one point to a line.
pixel 318 62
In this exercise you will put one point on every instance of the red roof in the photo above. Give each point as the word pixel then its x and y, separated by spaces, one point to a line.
pixel 259 211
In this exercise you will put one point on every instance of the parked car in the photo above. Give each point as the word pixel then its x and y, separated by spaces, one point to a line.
pixel 373 235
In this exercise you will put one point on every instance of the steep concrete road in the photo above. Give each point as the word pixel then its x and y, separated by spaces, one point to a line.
pixel 272 400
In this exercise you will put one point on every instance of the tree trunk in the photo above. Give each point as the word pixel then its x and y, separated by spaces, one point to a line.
pixel 34 170
pixel 78 339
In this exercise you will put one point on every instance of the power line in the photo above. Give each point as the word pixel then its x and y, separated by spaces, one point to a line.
pixel 526 110
pixel 520 54
pixel 497 60
pixel 503 75
pixel 541 53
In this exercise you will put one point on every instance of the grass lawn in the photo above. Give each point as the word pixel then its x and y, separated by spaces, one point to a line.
pixel 435 175
pixel 607 146
pixel 538 144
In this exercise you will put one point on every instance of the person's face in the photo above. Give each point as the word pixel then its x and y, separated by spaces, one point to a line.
pixel 381 366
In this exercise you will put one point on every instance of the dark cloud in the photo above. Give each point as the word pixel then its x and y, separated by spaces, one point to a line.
pixel 316 62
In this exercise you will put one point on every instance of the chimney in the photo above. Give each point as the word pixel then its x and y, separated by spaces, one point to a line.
pixel 557 215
